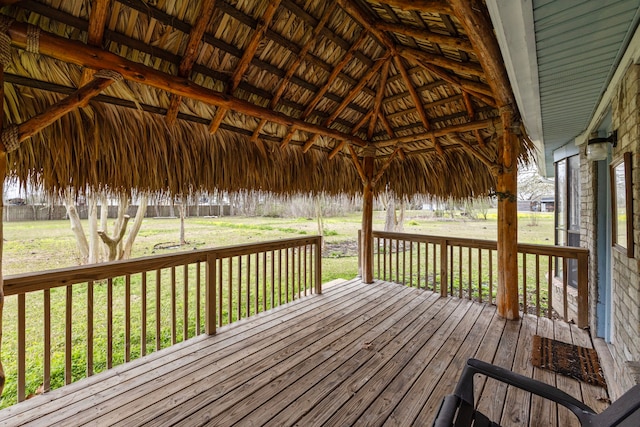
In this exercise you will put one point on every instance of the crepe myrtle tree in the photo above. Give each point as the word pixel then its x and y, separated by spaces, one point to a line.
pixel 98 245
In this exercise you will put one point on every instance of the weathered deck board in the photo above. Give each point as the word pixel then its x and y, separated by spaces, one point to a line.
pixel 379 354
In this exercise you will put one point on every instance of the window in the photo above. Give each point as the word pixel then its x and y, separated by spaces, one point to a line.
pixel 568 212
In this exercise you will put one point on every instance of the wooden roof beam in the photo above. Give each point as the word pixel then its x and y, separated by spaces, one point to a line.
pixel 465 127
pixel 95 33
pixel 480 32
pixel 397 152
pixel 247 56
pixel 52 113
pixel 420 57
pixel 417 101
pixel 360 16
pixel 424 34
pixel 313 35
pixel 477 89
pixel 472 116
pixel 190 54
pixel 493 166
pixel 377 105
pixel 357 164
pixel 89 56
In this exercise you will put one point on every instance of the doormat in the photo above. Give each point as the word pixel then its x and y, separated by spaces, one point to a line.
pixel 570 360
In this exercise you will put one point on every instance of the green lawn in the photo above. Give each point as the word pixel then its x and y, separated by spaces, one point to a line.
pixel 36 246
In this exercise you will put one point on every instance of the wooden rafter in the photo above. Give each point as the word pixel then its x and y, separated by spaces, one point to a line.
pixel 247 56
pixel 190 54
pixel 357 89
pixel 417 101
pixel 59 109
pixel 386 125
pixel 472 116
pixel 337 149
pixel 423 34
pixel 421 57
pixel 493 166
pixel 78 53
pixel 356 162
pixel 480 32
pixel 97 21
pixel 397 152
pixel 320 93
pixel 465 127
pixel 377 105
pixel 360 16
pixel 477 89
pixel 313 37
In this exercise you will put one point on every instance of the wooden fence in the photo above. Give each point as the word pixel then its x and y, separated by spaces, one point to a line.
pixel 467 268
pixel 73 322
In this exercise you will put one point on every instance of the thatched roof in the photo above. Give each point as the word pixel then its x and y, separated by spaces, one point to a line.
pixel 294 91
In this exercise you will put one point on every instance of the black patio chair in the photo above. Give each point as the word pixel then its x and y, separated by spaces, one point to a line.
pixel 458 409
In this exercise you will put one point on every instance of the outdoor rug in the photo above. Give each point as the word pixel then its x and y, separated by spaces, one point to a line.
pixel 571 360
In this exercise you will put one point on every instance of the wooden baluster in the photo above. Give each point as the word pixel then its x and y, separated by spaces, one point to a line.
pixel 127 318
pixel 198 301
pixel 210 294
pixel 404 262
pixel 460 272
pixel 318 266
pixel 304 274
pixel 248 287
pixel 109 323
pixel 173 306
pixel 469 263
pixel 158 312
pixel 143 313
pixel 418 266
pixel 239 286
pixel 524 283
pixel 299 271
pixel 538 285
pixel 219 292
pixel 47 337
pixel 286 274
pixel 273 279
pixel 550 287
pixel 21 374
pixel 279 276
pixel 565 283
pixel 46 357
pixel 583 289
pixel 185 302
pixel 230 290
pixel 410 263
pixel 256 289
pixel 480 275
pixel 264 281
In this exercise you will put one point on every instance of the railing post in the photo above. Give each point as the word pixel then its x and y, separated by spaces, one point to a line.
pixel 318 265
pixel 583 290
pixel 359 253
pixel 210 294
pixel 443 268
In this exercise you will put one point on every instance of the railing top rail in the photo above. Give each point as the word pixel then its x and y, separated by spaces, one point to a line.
pixel 528 248
pixel 35 281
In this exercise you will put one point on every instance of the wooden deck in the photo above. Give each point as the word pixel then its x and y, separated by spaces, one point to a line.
pixel 380 354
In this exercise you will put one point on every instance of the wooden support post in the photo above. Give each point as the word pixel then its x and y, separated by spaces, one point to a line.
pixel 506 189
pixel 367 220
pixel 210 295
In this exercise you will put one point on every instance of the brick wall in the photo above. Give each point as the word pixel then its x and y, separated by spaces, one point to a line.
pixel 625 338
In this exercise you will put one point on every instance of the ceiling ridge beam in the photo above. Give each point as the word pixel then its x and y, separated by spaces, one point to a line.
pixel 245 60
pixel 190 54
pixel 84 55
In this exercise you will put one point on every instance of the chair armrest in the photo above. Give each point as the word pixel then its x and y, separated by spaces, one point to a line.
pixel 475 366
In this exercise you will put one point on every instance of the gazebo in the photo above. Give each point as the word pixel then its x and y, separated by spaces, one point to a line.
pixel 282 96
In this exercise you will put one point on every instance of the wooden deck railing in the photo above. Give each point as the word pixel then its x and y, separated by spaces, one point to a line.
pixel 467 268
pixel 73 322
